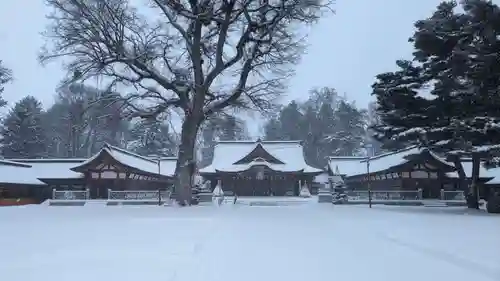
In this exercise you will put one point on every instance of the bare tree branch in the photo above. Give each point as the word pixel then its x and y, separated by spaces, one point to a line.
pixel 5 77
pixel 184 53
pixel 200 56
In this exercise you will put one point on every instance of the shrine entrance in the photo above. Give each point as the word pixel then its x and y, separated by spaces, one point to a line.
pixel 261 181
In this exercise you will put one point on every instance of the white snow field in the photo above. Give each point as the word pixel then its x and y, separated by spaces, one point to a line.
pixel 312 242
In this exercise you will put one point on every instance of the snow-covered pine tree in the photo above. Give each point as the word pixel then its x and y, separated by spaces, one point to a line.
pixel 456 60
pixel 232 128
pixel 153 137
pixel 208 135
pixel 372 120
pixel 312 131
pixel 23 132
pixel 290 119
pixel 349 130
pixel 272 129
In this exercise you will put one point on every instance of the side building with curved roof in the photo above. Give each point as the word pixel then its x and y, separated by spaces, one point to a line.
pixel 111 168
pixel 409 169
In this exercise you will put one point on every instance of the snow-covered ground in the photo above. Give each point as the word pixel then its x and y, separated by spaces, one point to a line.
pixel 247 243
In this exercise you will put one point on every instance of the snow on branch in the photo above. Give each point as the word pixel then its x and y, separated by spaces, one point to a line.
pixel 199 56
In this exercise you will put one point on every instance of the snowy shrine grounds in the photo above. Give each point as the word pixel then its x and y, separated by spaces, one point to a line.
pixel 247 243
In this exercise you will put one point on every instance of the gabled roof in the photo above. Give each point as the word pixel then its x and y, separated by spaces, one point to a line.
pixel 17 173
pixel 35 171
pixel 346 165
pixel 127 159
pixel 259 152
pixel 290 153
pixel 353 166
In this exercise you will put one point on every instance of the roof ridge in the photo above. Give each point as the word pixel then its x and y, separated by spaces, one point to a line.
pixel 49 160
pixel 129 153
pixel 348 157
pixel 261 141
pixel 13 163
pixel 168 158
pixel 390 153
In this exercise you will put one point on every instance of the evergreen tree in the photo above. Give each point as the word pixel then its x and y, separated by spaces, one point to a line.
pixel 290 120
pixel 152 137
pixel 372 120
pixel 348 131
pixel 23 132
pixel 312 135
pixel 231 128
pixel 456 59
pixel 221 128
pixel 272 129
pixel 208 134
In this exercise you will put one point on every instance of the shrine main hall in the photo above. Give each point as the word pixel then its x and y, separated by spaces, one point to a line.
pixel 260 168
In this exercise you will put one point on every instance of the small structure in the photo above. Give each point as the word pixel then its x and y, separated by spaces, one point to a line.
pixel 325 194
pixel 260 168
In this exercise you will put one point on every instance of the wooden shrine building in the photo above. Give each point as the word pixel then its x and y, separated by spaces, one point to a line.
pixel 260 168
pixel 412 168
pixel 111 168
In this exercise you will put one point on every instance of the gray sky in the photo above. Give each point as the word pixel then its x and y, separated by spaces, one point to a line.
pixel 347 50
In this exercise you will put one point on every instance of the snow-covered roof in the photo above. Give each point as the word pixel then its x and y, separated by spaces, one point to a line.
pixel 493 173
pixel 387 160
pixel 32 171
pixel 353 166
pixel 134 160
pixel 52 168
pixel 346 165
pixel 17 173
pixel 322 178
pixel 167 166
pixel 290 153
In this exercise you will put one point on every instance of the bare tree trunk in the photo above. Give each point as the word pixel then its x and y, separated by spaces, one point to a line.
pixel 473 198
pixel 462 178
pixel 185 161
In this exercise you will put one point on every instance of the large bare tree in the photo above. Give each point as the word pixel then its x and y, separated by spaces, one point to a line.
pixel 5 77
pixel 199 56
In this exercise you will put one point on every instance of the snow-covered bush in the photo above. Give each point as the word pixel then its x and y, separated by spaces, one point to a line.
pixel 218 192
pixel 304 191
pixel 339 195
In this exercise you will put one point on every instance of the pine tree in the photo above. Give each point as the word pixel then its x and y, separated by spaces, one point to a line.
pixel 272 129
pixel 312 135
pixel 208 133
pixel 152 137
pixel 290 119
pixel 230 128
pixel 23 132
pixel 349 130
pixel 372 120
pixel 456 59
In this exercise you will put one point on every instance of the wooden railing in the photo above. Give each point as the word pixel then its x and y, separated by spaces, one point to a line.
pixel 143 195
pixel 71 194
pixel 396 195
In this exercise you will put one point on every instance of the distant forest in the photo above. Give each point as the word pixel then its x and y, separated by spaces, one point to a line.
pixel 82 119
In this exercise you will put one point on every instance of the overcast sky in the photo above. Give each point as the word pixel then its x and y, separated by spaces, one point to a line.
pixel 346 51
